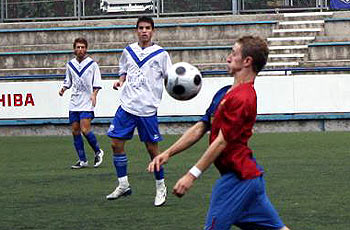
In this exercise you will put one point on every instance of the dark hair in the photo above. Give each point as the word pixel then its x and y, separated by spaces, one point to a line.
pixel 80 40
pixel 145 19
pixel 255 47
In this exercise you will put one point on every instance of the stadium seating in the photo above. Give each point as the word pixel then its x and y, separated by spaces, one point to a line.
pixel 43 48
pixel 296 40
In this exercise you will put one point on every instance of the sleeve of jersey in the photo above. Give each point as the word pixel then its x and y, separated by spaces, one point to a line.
pixel 122 63
pixel 206 117
pixel 97 83
pixel 166 63
pixel 67 83
pixel 233 119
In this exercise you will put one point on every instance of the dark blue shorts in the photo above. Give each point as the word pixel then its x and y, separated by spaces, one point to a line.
pixel 124 124
pixel 76 116
pixel 243 203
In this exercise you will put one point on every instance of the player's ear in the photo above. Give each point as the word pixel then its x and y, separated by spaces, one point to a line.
pixel 248 61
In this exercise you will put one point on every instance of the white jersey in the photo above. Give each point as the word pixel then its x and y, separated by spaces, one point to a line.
pixel 83 77
pixel 145 69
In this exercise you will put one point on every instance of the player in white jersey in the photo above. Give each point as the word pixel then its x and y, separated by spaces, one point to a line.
pixel 143 66
pixel 84 77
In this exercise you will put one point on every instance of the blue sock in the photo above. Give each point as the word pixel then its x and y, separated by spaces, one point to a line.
pixel 159 174
pixel 120 163
pixel 79 147
pixel 91 138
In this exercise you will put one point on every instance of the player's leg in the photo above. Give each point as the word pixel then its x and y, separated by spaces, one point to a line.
pixel 85 124
pixel 121 129
pixel 149 133
pixel 260 214
pixel 74 119
pixel 226 203
pixel 161 189
pixel 234 202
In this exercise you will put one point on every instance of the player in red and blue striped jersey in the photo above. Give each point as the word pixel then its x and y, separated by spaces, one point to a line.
pixel 239 196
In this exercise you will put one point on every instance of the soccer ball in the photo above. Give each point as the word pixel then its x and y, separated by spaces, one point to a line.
pixel 183 82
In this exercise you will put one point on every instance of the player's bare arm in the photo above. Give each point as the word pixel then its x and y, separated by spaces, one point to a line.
pixel 94 96
pixel 119 82
pixel 62 90
pixel 190 137
pixel 213 151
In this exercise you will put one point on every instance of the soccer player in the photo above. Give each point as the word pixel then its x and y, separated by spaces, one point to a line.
pixel 238 197
pixel 83 75
pixel 143 65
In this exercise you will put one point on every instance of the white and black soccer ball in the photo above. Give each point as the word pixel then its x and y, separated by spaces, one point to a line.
pixel 183 82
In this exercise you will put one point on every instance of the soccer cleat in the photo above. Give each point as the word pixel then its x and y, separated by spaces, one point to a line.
pixel 98 158
pixel 161 195
pixel 80 164
pixel 119 192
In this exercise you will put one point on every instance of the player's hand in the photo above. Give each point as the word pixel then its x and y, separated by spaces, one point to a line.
pixel 183 185
pixel 61 92
pixel 158 161
pixel 93 100
pixel 117 84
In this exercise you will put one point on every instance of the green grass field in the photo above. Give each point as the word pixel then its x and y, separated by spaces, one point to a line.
pixel 307 177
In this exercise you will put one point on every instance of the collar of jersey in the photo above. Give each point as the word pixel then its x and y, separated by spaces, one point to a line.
pixel 80 73
pixel 139 62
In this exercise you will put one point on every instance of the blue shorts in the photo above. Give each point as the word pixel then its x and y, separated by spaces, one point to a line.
pixel 124 124
pixel 76 116
pixel 243 203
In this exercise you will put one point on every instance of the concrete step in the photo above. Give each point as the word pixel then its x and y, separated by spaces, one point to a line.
pixel 55 59
pixel 306 16
pixel 301 24
pixel 297 32
pixel 300 49
pixel 332 38
pixel 110 57
pixel 113 69
pixel 283 41
pixel 329 51
pixel 117 45
pixel 284 58
pixel 282 64
pixel 292 55
pixel 306 38
pixel 132 21
pixel 288 51
pixel 30 71
pixel 217 69
pixel 126 34
pixel 286 42
pixel 326 63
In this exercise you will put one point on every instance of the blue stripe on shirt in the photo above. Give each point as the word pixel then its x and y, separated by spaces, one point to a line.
pixel 138 61
pixel 83 70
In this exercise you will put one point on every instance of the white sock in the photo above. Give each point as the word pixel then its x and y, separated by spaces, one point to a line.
pixel 160 183
pixel 123 182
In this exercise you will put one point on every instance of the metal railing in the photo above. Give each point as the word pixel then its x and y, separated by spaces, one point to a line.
pixel 43 10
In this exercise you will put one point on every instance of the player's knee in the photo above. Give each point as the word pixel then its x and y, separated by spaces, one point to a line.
pixel 117 148
pixel 76 132
pixel 85 131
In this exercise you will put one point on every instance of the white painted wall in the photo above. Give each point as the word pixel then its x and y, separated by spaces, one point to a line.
pixel 276 95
